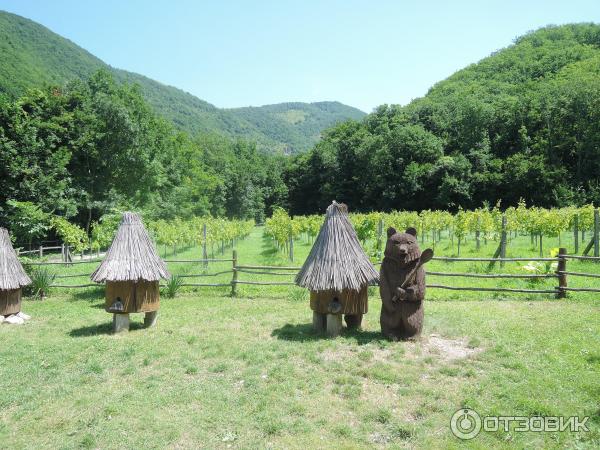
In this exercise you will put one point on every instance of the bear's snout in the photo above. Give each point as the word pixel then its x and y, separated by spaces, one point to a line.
pixel 403 249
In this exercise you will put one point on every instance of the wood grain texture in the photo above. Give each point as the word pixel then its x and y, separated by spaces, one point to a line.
pixel 143 296
pixel 10 302
pixel 353 302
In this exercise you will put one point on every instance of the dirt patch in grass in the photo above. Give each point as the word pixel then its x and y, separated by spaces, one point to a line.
pixel 432 346
pixel 446 349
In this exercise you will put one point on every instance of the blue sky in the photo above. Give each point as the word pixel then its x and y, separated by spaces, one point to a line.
pixel 240 53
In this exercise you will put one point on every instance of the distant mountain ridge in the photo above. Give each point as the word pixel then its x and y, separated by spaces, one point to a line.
pixel 32 56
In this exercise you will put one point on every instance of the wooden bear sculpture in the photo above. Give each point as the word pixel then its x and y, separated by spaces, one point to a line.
pixel 402 306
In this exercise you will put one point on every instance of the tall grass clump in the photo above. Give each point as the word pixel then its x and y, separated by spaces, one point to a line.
pixel 173 286
pixel 41 282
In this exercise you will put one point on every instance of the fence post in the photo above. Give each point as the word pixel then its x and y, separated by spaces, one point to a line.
pixel 234 278
pixel 596 230
pixel 291 247
pixel 576 233
pixel 503 240
pixel 41 251
pixel 380 236
pixel 560 270
pixel 204 252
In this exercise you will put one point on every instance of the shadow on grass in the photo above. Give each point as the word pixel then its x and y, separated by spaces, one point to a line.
pixel 305 333
pixel 268 249
pixel 297 333
pixel 94 296
pixel 89 294
pixel 101 329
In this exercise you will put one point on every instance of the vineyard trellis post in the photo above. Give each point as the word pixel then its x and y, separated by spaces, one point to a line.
pixel 501 250
pixel 561 272
pixel 380 236
pixel 576 233
pixel 204 251
pixel 596 231
pixel 234 277
pixel 503 240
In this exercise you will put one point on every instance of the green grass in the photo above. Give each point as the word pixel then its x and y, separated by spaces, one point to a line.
pixel 248 372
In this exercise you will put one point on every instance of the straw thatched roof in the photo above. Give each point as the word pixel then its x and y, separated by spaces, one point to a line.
pixel 12 274
pixel 132 256
pixel 337 261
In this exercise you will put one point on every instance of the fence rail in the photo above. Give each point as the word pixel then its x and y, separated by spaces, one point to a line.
pixel 453 259
pixel 236 269
pixel 494 289
pixel 494 275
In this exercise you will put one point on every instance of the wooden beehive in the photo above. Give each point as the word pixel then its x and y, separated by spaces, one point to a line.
pixel 136 297
pixel 353 302
pixel 337 268
pixel 10 301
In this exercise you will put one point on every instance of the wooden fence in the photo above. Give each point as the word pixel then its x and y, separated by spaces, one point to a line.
pixel 237 270
pixel 560 275
pixel 66 254
pixel 41 250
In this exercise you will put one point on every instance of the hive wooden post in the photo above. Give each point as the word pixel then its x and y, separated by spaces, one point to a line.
pixel 560 270
pixel 334 324
pixel 150 318
pixel 319 322
pixel 234 278
pixel 120 323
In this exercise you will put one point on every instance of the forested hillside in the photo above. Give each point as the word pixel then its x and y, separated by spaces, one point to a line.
pixel 94 146
pixel 522 123
pixel 33 56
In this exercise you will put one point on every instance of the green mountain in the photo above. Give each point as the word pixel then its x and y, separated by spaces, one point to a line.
pixel 31 56
pixel 523 123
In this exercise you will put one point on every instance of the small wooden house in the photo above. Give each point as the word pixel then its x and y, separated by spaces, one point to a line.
pixel 131 270
pixel 12 277
pixel 337 272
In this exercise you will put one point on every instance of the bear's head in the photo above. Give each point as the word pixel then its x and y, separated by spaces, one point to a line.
pixel 402 247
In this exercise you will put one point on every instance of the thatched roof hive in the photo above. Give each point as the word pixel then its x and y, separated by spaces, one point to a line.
pixel 337 261
pixel 132 255
pixel 12 274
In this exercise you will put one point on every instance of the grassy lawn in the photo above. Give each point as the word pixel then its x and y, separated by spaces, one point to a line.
pixel 247 372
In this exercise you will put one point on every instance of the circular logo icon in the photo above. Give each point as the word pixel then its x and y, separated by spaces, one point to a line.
pixel 465 424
